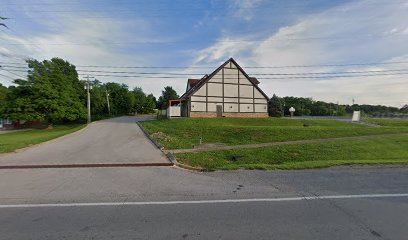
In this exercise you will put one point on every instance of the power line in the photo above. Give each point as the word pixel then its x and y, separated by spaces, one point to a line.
pixel 252 74
pixel 245 67
pixel 255 74
pixel 291 77
pixel 152 42
pixel 7 78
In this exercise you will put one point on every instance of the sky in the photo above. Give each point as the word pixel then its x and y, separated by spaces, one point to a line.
pixel 328 50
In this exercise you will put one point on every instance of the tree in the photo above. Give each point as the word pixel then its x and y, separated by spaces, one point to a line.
pixel 140 100
pixel 52 92
pixel 151 103
pixel 143 103
pixel 99 104
pixel 3 95
pixel 275 106
pixel 168 94
pixel 121 100
pixel 404 109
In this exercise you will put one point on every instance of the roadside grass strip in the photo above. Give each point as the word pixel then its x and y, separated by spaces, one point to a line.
pixel 10 142
pixel 388 150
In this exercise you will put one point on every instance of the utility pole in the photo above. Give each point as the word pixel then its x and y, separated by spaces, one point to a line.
pixel 88 87
pixel 107 100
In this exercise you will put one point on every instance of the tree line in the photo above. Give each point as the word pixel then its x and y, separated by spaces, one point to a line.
pixel 279 106
pixel 53 93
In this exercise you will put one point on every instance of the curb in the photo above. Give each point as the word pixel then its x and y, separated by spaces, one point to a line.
pixel 169 155
pixel 89 165
pixel 149 137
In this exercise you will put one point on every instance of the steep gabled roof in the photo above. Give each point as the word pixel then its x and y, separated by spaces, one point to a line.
pixel 205 79
pixel 191 83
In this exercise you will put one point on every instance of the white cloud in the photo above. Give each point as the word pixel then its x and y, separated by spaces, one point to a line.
pixel 363 31
pixel 359 31
pixel 225 48
pixel 244 8
pixel 82 41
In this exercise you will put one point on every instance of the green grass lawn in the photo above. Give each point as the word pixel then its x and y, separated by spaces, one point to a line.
pixel 388 122
pixel 389 150
pixel 12 141
pixel 182 133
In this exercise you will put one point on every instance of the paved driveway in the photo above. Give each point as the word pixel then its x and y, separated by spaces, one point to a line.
pixel 117 140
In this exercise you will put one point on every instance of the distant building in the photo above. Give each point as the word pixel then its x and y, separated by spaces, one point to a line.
pixel 7 123
pixel 227 92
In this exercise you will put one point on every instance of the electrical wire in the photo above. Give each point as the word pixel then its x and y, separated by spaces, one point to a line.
pixel 245 67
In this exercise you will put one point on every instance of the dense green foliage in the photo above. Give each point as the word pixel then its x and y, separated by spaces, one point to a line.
pixel 390 150
pixel 3 95
pixel 309 107
pixel 143 103
pixel 53 93
pixel 275 106
pixel 167 94
pixel 182 133
pixel 12 141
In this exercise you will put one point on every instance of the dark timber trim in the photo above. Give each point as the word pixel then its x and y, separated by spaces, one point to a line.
pixel 230 83
pixel 223 107
pixel 253 95
pixel 239 94
pixel 229 97
pixel 229 102
pixel 207 78
pixel 206 97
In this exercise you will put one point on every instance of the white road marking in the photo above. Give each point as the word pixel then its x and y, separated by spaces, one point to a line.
pixel 395 195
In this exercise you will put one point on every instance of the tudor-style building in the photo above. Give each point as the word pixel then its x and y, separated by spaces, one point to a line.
pixel 227 92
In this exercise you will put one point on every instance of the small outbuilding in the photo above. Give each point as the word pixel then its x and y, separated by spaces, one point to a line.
pixel 226 92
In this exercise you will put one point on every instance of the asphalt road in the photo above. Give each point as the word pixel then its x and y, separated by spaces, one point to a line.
pixel 339 219
pixel 172 203
pixel 116 140
pixel 135 203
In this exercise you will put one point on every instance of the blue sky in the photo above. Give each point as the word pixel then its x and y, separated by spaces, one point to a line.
pixel 200 35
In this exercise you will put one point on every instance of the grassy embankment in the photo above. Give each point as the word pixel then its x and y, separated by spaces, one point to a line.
pixel 181 133
pixel 12 141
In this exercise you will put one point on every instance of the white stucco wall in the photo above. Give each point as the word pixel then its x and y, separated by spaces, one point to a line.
pixel 230 107
pixel 214 89
pixel 261 101
pixel 230 90
pixel 231 100
pixel 230 75
pixel 212 107
pixel 217 77
pixel 246 91
pixel 261 108
pixel 198 106
pixel 202 91
pixel 258 94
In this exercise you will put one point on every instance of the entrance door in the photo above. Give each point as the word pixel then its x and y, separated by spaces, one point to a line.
pixel 219 111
